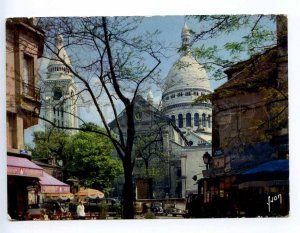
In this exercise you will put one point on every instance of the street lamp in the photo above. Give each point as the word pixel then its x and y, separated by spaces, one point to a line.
pixel 207 159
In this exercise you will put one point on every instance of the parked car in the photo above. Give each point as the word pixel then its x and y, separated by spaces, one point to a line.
pixel 174 211
pixel 157 208
pixel 114 207
pixel 54 208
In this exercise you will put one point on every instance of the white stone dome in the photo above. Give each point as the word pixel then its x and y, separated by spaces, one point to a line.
pixel 55 65
pixel 186 73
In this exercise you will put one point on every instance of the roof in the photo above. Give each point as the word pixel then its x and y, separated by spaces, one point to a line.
pixel 258 68
pixel 62 54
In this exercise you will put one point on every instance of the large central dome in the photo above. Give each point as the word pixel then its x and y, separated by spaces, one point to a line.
pixel 185 82
pixel 186 73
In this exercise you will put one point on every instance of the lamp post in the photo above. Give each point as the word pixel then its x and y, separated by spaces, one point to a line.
pixel 207 159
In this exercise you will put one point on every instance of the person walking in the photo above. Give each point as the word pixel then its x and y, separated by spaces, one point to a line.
pixel 80 210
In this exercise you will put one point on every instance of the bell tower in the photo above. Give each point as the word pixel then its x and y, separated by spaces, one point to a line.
pixel 60 105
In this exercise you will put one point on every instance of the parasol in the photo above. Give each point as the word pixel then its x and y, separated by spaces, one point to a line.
pixel 90 193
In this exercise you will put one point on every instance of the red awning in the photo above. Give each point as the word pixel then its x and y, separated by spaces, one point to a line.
pixel 22 167
pixel 49 184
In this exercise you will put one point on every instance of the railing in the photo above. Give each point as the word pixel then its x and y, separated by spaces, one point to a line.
pixel 31 91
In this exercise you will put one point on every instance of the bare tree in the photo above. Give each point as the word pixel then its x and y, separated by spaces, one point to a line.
pixel 110 62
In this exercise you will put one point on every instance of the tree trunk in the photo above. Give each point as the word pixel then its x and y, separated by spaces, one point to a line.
pixel 128 210
pixel 128 194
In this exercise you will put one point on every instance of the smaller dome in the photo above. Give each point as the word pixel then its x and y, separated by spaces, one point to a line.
pixel 150 97
pixel 54 61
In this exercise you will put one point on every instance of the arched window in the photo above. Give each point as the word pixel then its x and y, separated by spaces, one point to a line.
pixel 209 121
pixel 180 120
pixel 188 120
pixel 204 120
pixel 173 119
pixel 196 119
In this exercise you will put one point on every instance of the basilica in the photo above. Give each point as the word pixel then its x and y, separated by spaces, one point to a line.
pixel 184 125
pixel 185 82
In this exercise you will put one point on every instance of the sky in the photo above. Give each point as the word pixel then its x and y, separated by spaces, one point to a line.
pixel 170 28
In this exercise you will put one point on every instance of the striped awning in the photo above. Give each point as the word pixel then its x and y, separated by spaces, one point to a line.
pixel 23 167
pixel 49 184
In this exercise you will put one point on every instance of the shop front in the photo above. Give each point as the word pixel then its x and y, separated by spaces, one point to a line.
pixel 22 185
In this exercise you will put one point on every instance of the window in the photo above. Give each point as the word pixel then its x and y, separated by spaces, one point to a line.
pixel 209 121
pixel 28 75
pixel 180 121
pixel 57 93
pixel 173 119
pixel 12 139
pixel 188 120
pixel 62 112
pixel 196 119
pixel 54 110
pixel 172 96
pixel 167 98
pixel 188 93
pixel 204 120
pixel 179 94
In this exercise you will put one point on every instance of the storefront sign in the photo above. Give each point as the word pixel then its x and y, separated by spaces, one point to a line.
pixel 20 171
pixel 55 189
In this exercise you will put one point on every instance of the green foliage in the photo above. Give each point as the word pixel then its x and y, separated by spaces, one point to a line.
pixel 85 155
pixel 50 144
pixel 249 35
pixel 92 160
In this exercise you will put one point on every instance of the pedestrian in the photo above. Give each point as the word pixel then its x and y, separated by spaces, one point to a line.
pixel 44 215
pixel 80 210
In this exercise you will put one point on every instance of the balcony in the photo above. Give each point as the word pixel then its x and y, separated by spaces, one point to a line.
pixel 31 92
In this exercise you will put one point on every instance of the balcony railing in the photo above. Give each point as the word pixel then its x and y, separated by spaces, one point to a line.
pixel 31 91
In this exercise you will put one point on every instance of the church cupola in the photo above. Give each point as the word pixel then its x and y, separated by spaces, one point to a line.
pixel 185 36
pixel 150 97
pixel 60 61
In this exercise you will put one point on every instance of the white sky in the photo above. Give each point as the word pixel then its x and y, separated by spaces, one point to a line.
pixel 162 7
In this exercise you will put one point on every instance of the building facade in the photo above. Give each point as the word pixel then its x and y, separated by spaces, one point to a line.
pixel 183 126
pixel 250 138
pixel 24 45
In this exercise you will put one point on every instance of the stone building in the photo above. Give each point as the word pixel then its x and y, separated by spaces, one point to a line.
pixel 184 129
pixel 185 82
pixel 154 139
pixel 27 182
pixel 24 45
pixel 60 96
pixel 250 137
